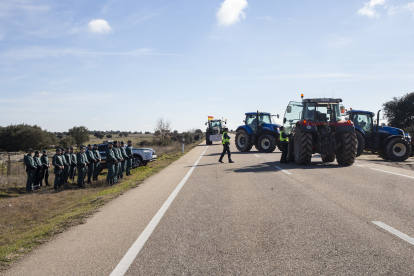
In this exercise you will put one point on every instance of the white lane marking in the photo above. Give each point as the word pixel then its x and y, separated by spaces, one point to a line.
pixel 256 155
pixel 394 231
pixel 394 173
pixel 132 253
pixel 280 169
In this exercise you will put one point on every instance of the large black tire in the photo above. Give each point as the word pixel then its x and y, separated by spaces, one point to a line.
pixel 398 149
pixel 266 143
pixel 207 138
pixel 243 141
pixel 302 147
pixel 346 154
pixel 383 154
pixel 328 157
pixel 360 143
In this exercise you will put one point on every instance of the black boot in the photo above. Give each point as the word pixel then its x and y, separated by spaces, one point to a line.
pixel 221 161
pixel 231 161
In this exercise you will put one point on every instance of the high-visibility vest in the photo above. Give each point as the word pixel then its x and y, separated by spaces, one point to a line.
pixel 224 139
pixel 283 139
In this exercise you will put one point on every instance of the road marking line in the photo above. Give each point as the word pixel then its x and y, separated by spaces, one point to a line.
pixel 256 155
pixel 132 253
pixel 280 169
pixel 394 173
pixel 394 231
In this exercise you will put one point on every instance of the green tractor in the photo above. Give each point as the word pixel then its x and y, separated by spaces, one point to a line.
pixel 214 131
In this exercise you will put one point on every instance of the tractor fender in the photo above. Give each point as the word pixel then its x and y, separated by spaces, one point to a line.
pixel 246 128
pixel 360 130
pixel 389 138
pixel 273 133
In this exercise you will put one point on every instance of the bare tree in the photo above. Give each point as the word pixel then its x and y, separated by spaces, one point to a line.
pixel 164 128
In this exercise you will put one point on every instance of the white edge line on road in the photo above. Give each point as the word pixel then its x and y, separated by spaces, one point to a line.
pixel 394 173
pixel 132 253
pixel 394 231
pixel 280 169
pixel 256 155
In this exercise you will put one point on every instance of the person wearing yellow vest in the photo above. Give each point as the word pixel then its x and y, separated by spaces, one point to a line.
pixel 284 142
pixel 226 146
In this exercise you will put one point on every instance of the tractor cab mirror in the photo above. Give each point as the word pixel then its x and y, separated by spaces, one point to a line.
pixel 289 109
pixel 277 116
pixel 206 123
pixel 284 120
pixel 342 108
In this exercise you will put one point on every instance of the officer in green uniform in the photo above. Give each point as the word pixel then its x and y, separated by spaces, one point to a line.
pixel 124 159
pixel 284 142
pixel 44 174
pixel 65 164
pixel 68 161
pixel 98 158
pixel 57 161
pixel 128 152
pixel 91 159
pixel 82 162
pixel 226 146
pixel 73 163
pixel 30 170
pixel 111 162
pixel 118 157
pixel 38 164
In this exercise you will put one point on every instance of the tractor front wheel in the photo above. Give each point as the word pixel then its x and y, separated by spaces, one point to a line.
pixel 398 149
pixel 360 143
pixel 346 154
pixel 243 141
pixel 266 143
pixel 302 148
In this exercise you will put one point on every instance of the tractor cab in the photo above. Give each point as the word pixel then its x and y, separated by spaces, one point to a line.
pixel 214 131
pixel 259 121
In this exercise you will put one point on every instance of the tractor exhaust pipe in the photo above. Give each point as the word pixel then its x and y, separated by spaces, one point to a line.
pixel 378 122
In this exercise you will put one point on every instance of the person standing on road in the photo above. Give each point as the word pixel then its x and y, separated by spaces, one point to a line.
pixel 65 165
pixel 68 160
pixel 38 164
pixel 118 157
pixel 92 161
pixel 30 170
pixel 111 162
pixel 82 162
pixel 44 174
pixel 226 146
pixel 284 143
pixel 124 159
pixel 97 168
pixel 73 165
pixel 59 166
pixel 128 152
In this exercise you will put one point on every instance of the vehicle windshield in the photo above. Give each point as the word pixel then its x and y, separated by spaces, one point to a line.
pixel 216 124
pixel 264 119
pixel 292 115
pixel 321 112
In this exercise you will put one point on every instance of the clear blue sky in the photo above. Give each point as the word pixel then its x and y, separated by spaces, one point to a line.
pixel 122 64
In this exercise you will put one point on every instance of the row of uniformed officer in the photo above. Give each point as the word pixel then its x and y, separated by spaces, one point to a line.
pixel 37 169
pixel 118 160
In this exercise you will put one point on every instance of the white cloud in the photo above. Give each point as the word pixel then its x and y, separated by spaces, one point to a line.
pixel 99 26
pixel 404 8
pixel 369 8
pixel 230 12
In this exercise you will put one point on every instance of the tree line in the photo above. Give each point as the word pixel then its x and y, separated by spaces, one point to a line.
pixel 399 112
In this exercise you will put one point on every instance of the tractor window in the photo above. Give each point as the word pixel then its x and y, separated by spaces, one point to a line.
pixel 364 121
pixel 264 119
pixel 292 115
pixel 216 124
pixel 321 112
pixel 251 121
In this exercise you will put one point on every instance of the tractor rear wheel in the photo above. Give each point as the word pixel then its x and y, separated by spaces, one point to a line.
pixel 290 155
pixel 266 143
pixel 398 149
pixel 346 154
pixel 243 141
pixel 302 148
pixel 328 157
pixel 360 144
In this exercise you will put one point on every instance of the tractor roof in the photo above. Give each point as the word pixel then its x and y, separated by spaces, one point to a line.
pixel 359 111
pixel 322 100
pixel 217 120
pixel 255 113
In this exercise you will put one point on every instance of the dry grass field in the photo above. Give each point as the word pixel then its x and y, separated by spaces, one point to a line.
pixel 28 220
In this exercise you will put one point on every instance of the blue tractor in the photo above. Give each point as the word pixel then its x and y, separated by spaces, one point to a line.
pixel 258 131
pixel 390 142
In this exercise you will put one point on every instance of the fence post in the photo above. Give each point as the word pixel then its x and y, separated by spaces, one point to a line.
pixel 183 144
pixel 8 166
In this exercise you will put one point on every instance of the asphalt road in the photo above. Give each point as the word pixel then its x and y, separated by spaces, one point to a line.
pixel 253 217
